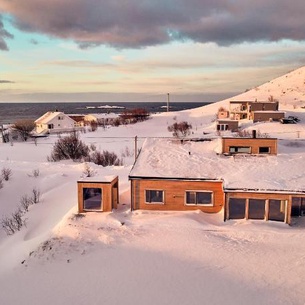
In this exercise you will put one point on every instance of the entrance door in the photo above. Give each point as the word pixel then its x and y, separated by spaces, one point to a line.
pixel 298 206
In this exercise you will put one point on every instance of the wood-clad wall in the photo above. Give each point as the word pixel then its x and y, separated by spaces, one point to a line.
pixel 174 194
pixel 254 143
pixel 110 194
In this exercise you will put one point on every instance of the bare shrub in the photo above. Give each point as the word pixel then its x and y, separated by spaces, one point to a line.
pixel 92 147
pixel 35 195
pixel 6 173
pixel 134 115
pixel 14 223
pixel 127 152
pixel 105 158
pixel 69 147
pixel 25 202
pixel 117 122
pixel 36 173
pixel 88 171
pixel 24 128
pixel 17 219
pixel 1 183
pixel 181 129
pixel 8 225
pixel 249 134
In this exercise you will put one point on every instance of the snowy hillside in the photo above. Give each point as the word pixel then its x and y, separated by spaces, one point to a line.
pixel 155 257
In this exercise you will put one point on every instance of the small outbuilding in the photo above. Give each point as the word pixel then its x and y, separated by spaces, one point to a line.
pixel 253 146
pixel 227 124
pixel 98 194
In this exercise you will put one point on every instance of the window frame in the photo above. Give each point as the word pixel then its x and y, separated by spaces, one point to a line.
pixel 238 147
pixel 154 202
pixel 211 204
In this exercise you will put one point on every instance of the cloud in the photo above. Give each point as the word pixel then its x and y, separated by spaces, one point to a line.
pixel 136 24
pixel 3 81
pixel 3 35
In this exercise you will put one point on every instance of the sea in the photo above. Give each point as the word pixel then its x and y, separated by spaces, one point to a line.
pixel 11 112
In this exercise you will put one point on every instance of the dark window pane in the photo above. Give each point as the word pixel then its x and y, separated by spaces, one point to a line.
pixel 298 206
pixel 264 150
pixel 237 208
pixel 92 198
pixel 190 197
pixel 204 197
pixel 276 210
pixel 256 209
pixel 154 196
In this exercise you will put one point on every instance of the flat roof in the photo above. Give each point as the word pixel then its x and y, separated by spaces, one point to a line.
pixel 169 159
pixel 98 179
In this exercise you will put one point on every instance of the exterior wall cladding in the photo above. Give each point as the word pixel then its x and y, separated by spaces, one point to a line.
pixel 174 194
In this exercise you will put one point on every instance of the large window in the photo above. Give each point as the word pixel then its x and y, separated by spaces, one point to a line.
pixel 199 198
pixel 277 209
pixel 256 209
pixel 92 198
pixel 298 206
pixel 237 208
pixel 240 150
pixel 154 196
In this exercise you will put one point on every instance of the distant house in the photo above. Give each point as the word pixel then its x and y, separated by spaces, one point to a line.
pixel 254 146
pixel 78 118
pixel 53 122
pixel 263 116
pixel 101 118
pixel 240 110
pixel 227 124
pixel 223 113
pixel 98 194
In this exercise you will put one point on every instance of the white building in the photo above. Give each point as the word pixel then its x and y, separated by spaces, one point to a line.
pixel 54 121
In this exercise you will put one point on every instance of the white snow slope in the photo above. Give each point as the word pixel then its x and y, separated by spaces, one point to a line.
pixel 151 257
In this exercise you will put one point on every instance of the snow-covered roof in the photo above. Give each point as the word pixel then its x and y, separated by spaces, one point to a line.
pixel 165 158
pixel 98 179
pixel 48 116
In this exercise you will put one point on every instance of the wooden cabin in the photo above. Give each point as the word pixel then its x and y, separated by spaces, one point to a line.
pixel 264 205
pixel 253 146
pixel 98 194
pixel 179 194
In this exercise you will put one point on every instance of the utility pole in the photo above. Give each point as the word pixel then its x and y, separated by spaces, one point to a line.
pixel 167 102
pixel 135 148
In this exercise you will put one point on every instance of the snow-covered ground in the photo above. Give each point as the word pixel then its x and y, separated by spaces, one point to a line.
pixel 151 257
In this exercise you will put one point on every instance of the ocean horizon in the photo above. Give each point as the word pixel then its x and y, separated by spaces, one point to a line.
pixel 11 112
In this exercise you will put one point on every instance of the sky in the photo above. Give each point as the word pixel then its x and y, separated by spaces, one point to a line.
pixel 131 50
